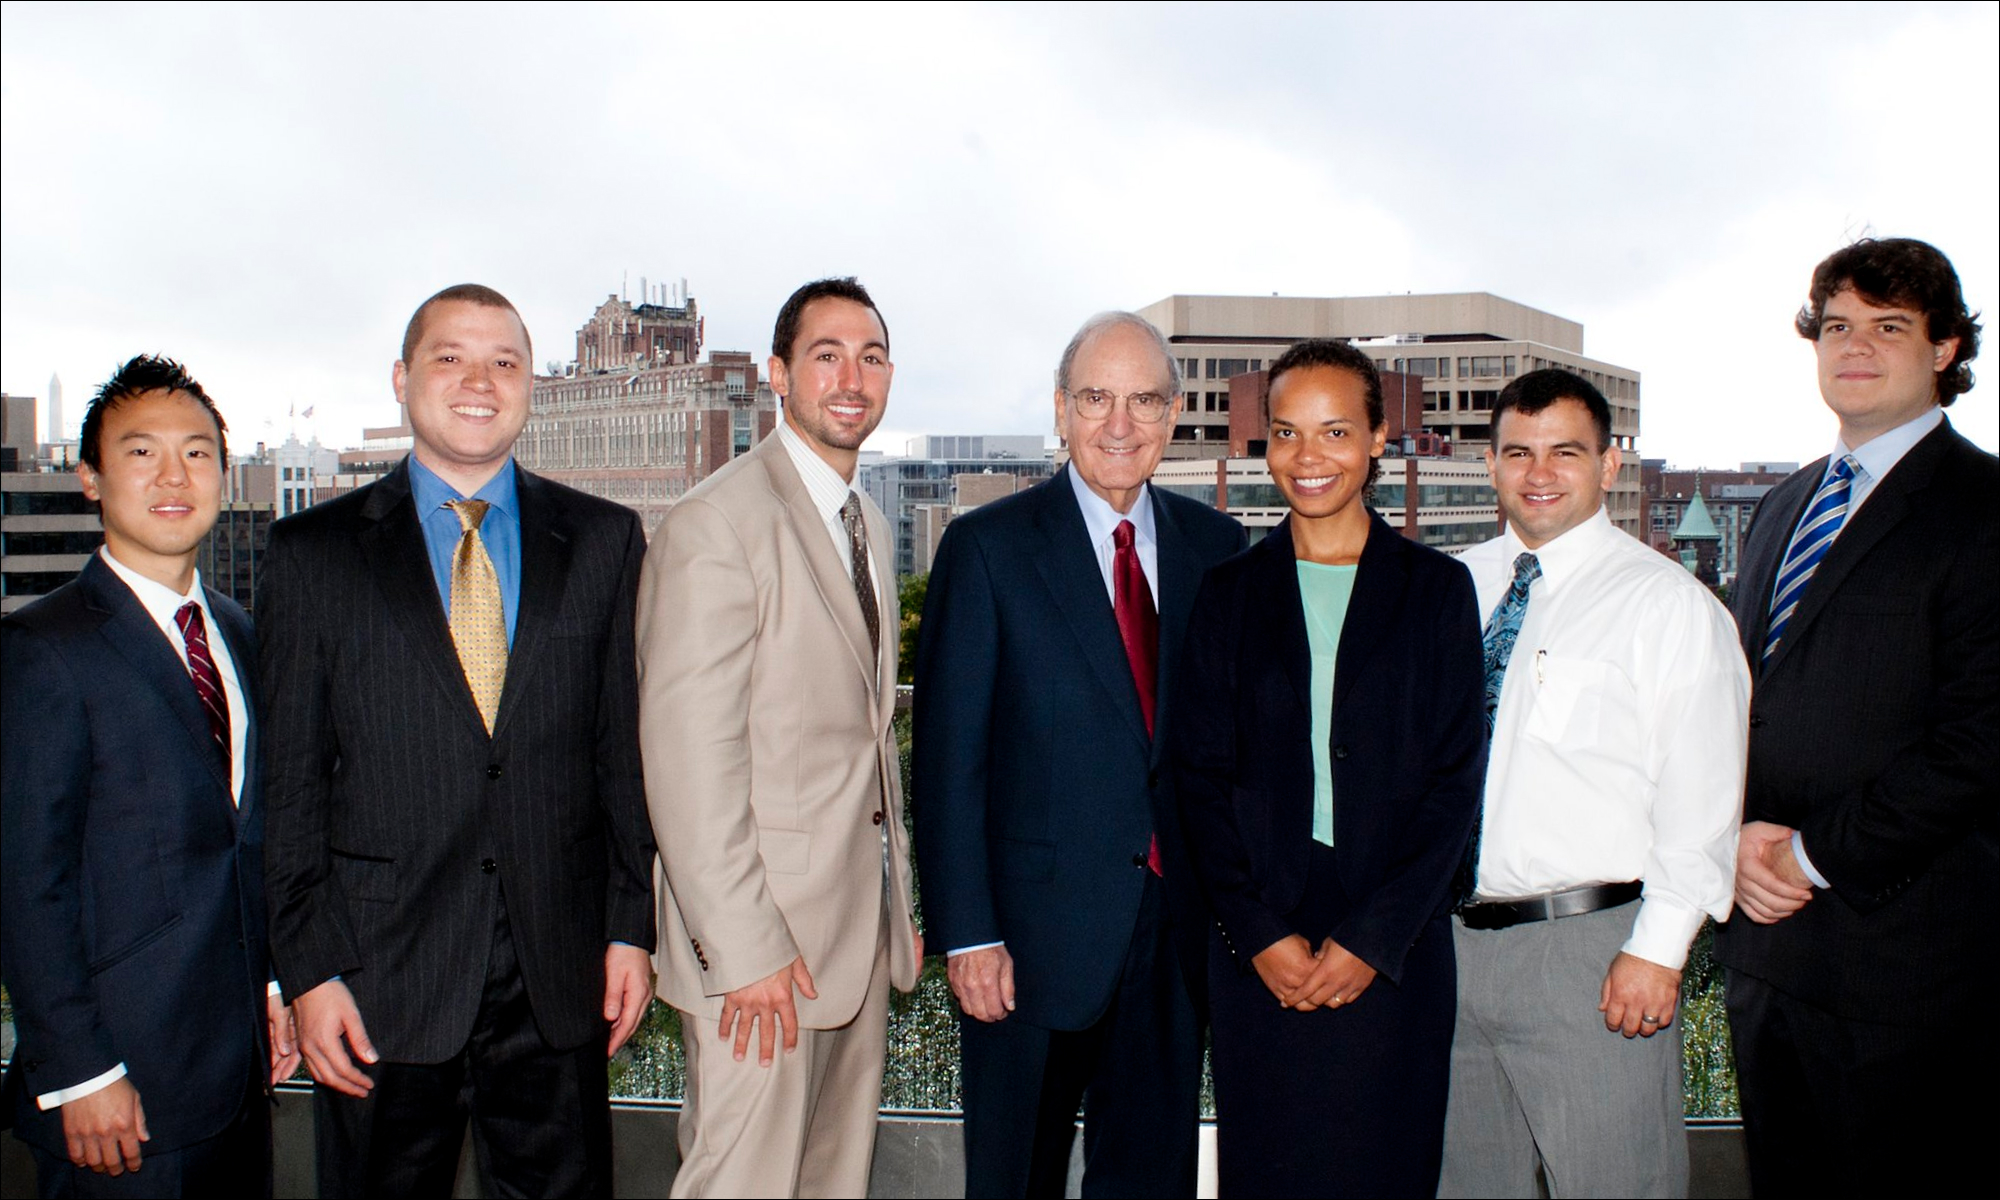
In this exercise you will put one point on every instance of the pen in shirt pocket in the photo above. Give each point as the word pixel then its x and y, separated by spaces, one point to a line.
pixel 1541 660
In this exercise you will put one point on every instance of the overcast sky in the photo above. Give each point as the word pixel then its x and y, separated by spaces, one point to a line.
pixel 267 191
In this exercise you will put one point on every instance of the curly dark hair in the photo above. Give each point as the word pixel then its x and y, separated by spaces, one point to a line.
pixel 1901 272
pixel 141 374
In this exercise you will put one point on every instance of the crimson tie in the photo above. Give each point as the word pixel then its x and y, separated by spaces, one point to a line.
pixel 1139 629
pixel 207 680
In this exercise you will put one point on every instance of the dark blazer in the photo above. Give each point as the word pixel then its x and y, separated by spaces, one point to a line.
pixel 1408 754
pixel 132 886
pixel 1035 786
pixel 1875 731
pixel 395 821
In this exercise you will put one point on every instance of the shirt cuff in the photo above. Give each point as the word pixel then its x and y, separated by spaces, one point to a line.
pixel 1805 864
pixel 970 949
pixel 57 1099
pixel 274 990
pixel 1662 932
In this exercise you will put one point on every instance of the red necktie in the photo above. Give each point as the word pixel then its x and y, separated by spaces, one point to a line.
pixel 1139 629
pixel 207 680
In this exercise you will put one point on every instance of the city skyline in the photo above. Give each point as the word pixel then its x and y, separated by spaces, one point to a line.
pixel 1667 178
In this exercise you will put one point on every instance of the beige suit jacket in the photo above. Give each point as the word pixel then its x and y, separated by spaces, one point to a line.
pixel 768 748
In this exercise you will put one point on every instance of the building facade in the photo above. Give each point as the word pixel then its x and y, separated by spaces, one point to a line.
pixel 1730 498
pixel 902 486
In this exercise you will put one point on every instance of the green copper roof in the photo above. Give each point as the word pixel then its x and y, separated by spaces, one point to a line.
pixel 1696 525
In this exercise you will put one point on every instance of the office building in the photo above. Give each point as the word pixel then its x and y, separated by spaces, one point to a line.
pixel 1730 499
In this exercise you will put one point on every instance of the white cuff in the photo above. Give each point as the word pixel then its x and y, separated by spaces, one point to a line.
pixel 57 1099
pixel 275 990
pixel 970 949
pixel 1805 864
pixel 1662 932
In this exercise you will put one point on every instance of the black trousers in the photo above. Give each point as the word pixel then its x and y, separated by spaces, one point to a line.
pixel 1834 1106
pixel 1136 1072
pixel 235 1162
pixel 1346 1101
pixel 541 1117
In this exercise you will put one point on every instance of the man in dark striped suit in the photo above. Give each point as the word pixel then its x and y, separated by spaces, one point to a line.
pixel 460 861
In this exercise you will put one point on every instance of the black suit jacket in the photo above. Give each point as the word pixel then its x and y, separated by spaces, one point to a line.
pixel 1035 786
pixel 132 886
pixel 1408 752
pixel 1875 731
pixel 396 823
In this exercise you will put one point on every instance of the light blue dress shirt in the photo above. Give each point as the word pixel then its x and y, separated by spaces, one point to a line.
pixel 500 530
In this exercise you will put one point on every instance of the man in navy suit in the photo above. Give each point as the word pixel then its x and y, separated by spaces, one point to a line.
pixel 131 829
pixel 1860 985
pixel 1048 847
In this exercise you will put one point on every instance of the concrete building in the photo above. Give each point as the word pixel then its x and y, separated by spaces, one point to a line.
pixel 285 476
pixel 1442 502
pixel 968 491
pixel 1729 497
pixel 48 531
pixel 902 486
pixel 636 418
pixel 1464 347
pixel 233 553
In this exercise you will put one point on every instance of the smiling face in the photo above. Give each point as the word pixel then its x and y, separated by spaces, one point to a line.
pixel 836 383
pixel 1113 454
pixel 466 389
pixel 160 483
pixel 1548 471
pixel 1320 448
pixel 1877 367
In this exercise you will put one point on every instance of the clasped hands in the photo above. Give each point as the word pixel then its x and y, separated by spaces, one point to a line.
pixel 1304 979
pixel 1770 884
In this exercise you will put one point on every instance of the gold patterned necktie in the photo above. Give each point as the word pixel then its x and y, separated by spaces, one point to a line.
pixel 478 620
pixel 864 580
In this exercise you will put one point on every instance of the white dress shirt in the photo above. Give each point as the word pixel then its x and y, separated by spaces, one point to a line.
pixel 161 603
pixel 1877 457
pixel 1618 748
pixel 829 494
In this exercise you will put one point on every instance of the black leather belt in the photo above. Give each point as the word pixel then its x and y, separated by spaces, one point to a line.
pixel 1505 914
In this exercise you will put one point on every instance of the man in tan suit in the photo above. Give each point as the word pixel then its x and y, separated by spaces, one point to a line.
pixel 767 658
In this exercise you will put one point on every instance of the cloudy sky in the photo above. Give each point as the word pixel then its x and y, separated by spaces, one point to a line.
pixel 267 191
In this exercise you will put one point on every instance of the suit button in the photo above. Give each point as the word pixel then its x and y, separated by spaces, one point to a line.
pixel 1340 752
pixel 1756 722
pixel 493 770
pixel 877 818
pixel 1139 860
pixel 487 866
pixel 1152 779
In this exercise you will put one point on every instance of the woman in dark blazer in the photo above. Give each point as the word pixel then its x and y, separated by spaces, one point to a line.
pixel 1328 754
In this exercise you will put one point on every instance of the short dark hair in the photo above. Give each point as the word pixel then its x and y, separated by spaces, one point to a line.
pixel 1332 352
pixel 468 293
pixel 1536 390
pixel 141 374
pixel 1901 272
pixel 845 287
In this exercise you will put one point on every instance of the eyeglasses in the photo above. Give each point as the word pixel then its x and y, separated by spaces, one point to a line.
pixel 1147 408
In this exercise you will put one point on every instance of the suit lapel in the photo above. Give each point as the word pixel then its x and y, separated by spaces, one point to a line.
pixel 1753 604
pixel 1180 578
pixel 137 639
pixel 1277 578
pixel 545 554
pixel 1378 593
pixel 393 545
pixel 242 642
pixel 885 665
pixel 836 588
pixel 1068 565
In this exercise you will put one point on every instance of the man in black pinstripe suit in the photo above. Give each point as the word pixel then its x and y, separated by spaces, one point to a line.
pixel 458 849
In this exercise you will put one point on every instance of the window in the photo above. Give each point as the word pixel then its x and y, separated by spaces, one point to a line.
pixel 1227 368
pixel 1488 366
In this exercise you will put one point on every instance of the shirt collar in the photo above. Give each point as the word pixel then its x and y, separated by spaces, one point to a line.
pixel 1566 554
pixel 824 484
pixel 431 492
pixel 160 601
pixel 1102 520
pixel 1881 453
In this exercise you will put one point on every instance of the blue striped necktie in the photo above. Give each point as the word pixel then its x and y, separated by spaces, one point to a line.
pixel 1810 542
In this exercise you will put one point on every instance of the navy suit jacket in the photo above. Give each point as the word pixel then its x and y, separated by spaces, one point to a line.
pixel 132 886
pixel 1035 786
pixel 1875 731
pixel 1408 743
pixel 396 821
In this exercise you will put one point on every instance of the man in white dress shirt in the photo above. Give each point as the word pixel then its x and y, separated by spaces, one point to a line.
pixel 1616 701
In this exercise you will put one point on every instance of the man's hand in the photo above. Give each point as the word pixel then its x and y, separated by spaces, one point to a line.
pixel 768 1005
pixel 325 1015
pixel 1638 997
pixel 1336 978
pixel 104 1129
pixel 1284 965
pixel 283 1033
pixel 1769 884
pixel 917 940
pixel 983 981
pixel 628 989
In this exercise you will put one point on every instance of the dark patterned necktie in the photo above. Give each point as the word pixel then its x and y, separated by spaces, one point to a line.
pixel 1139 629
pixel 864 579
pixel 1503 629
pixel 207 680
pixel 1818 526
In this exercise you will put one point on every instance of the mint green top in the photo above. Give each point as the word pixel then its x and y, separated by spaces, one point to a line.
pixel 1325 592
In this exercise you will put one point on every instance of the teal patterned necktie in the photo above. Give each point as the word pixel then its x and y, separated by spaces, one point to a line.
pixel 1503 629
